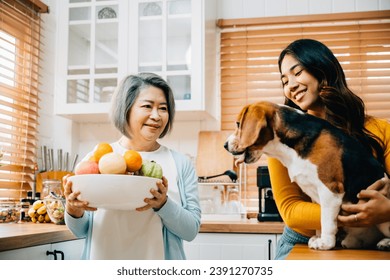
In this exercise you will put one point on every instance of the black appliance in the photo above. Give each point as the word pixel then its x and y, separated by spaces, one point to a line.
pixel 267 207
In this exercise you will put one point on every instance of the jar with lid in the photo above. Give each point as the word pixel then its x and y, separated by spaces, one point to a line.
pixel 9 212
pixel 24 206
pixel 51 187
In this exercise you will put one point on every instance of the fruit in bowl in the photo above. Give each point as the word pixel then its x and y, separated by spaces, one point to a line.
pixel 152 169
pixel 112 163
pixel 133 160
pixel 87 167
pixel 104 160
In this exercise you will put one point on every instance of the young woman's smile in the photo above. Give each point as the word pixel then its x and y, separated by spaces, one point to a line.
pixel 299 85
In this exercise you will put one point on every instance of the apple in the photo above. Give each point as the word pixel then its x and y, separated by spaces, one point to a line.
pixel 87 167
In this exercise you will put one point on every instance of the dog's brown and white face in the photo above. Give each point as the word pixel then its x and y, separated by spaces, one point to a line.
pixel 254 130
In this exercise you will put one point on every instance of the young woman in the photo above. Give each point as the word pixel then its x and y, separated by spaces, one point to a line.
pixel 143 109
pixel 313 81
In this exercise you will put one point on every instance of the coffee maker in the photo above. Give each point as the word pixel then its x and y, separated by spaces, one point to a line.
pixel 267 207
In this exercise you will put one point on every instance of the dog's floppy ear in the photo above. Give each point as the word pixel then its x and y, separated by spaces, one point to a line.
pixel 252 120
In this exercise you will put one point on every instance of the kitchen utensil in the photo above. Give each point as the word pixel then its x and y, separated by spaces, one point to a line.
pixel 51 159
pixel 66 162
pixel 50 167
pixel 232 175
pixel 43 158
pixel 110 191
pixel 59 159
pixel 74 163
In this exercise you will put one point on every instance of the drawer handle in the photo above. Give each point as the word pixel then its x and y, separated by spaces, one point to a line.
pixel 269 249
pixel 54 253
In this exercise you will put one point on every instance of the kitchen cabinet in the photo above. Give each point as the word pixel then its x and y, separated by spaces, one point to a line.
pixel 67 250
pixel 231 246
pixel 90 58
pixel 100 42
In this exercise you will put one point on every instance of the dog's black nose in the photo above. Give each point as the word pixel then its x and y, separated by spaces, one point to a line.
pixel 226 146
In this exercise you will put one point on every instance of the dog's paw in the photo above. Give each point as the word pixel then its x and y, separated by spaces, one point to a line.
pixel 384 244
pixel 322 243
pixel 352 243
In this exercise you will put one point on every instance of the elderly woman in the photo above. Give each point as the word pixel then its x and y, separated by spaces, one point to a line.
pixel 143 109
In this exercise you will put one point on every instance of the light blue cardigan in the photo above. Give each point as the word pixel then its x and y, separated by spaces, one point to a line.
pixel 179 221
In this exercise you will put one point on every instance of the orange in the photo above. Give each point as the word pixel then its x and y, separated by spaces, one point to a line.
pixel 92 158
pixel 102 149
pixel 133 160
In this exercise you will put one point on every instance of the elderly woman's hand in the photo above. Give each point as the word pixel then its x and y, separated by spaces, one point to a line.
pixel 373 206
pixel 159 196
pixel 73 206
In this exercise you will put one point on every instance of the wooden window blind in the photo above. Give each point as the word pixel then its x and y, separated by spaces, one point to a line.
pixel 20 31
pixel 250 49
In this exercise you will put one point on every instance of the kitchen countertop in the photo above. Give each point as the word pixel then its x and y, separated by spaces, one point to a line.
pixel 302 252
pixel 15 236
pixel 242 226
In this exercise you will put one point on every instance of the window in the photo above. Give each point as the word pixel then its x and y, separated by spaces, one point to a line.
pixel 250 49
pixel 7 59
pixel 20 30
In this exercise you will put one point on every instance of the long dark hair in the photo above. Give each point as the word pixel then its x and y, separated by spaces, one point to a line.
pixel 343 108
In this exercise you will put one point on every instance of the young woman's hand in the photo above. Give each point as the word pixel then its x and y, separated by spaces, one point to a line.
pixel 373 206
pixel 159 196
pixel 73 206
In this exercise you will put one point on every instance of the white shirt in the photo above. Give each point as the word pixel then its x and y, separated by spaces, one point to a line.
pixel 118 234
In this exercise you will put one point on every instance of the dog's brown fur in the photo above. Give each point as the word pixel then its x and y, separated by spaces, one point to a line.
pixel 329 166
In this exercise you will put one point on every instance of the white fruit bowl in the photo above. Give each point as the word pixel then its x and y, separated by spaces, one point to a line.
pixel 115 192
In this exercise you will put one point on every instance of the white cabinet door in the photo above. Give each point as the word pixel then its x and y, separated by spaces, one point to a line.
pixel 68 250
pixel 29 253
pixel 71 250
pixel 91 56
pixel 231 246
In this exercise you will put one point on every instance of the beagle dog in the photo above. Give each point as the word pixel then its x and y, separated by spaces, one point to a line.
pixel 328 165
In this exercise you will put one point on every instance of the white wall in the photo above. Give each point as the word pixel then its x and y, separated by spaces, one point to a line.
pixel 271 8
pixel 54 132
pixel 57 132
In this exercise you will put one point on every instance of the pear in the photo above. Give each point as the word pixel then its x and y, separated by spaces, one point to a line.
pixel 112 163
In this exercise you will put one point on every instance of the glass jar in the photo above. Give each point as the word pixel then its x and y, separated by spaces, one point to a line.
pixel 51 186
pixel 55 209
pixel 24 206
pixel 9 212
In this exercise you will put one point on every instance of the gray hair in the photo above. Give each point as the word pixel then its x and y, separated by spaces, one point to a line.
pixel 128 91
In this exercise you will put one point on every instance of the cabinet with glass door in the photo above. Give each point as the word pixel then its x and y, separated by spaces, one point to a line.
pixel 171 42
pixel 90 42
pixel 100 42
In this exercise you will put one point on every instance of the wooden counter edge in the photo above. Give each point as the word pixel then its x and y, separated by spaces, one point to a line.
pixel 303 252
pixel 242 227
pixel 56 233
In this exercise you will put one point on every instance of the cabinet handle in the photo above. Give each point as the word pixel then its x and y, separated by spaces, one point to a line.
pixel 269 249
pixel 54 253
